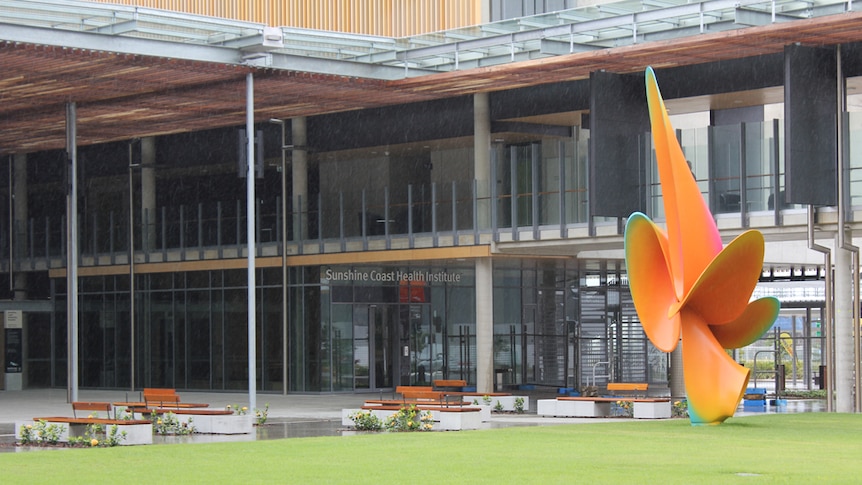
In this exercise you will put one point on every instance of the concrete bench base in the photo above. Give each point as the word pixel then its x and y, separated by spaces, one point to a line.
pixel 219 423
pixel 455 420
pixel 136 434
pixel 585 408
pixel 659 409
pixel 573 409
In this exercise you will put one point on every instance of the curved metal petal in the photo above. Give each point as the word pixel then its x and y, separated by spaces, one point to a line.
pixel 714 383
pixel 692 235
pixel 650 282
pixel 724 288
pixel 754 321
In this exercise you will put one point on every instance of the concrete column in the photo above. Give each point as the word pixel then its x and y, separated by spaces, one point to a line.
pixel 148 192
pixel 14 381
pixel 482 156
pixel 676 380
pixel 485 13
pixel 21 215
pixel 299 137
pixel 843 297
pixel 484 325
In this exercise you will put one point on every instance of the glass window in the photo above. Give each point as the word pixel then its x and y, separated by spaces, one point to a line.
pixel 759 163
pixel 726 146
pixel 854 156
pixel 342 348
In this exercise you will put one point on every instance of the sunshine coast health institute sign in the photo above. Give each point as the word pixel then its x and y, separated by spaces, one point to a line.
pixel 391 276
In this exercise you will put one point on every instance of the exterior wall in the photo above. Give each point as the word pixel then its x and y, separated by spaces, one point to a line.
pixel 555 323
pixel 389 18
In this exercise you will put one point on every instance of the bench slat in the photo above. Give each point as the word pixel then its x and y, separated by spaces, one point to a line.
pixel 613 399
pixel 404 403
pixel 68 420
pixel 453 409
pixel 627 386
pixel 450 383
pixel 90 406
pixel 200 412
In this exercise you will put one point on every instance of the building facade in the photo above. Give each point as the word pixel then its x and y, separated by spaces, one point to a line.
pixel 472 236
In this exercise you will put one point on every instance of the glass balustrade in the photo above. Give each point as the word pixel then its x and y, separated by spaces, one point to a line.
pixel 537 185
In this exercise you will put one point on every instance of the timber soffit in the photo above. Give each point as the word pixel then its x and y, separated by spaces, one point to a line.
pixel 138 72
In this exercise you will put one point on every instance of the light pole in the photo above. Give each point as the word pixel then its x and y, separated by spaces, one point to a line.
pixel 284 149
pixel 132 166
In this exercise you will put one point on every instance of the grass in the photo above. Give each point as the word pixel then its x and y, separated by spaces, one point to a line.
pixel 774 448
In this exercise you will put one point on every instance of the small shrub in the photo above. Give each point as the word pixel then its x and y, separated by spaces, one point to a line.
pixel 519 405
pixel 40 433
pixel 260 415
pixel 805 394
pixel 680 409
pixel 410 418
pixel 114 436
pixel 365 421
pixel 96 435
pixel 625 408
pixel 498 407
pixel 237 409
pixel 168 424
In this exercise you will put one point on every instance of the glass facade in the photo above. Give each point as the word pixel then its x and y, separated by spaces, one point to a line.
pixel 355 328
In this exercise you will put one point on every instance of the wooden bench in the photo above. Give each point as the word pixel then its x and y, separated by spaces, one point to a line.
pixel 138 431
pixel 162 397
pixel 634 388
pixel 147 411
pixel 427 393
pixel 92 406
pixel 417 403
pixel 422 407
pixel 449 384
pixel 419 392
pixel 97 406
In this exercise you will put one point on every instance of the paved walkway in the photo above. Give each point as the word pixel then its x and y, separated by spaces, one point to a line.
pixel 25 405
pixel 292 415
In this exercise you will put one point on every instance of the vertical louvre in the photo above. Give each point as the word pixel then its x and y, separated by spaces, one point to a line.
pixel 593 339
pixel 390 18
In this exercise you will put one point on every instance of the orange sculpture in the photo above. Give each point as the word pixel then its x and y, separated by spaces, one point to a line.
pixel 687 288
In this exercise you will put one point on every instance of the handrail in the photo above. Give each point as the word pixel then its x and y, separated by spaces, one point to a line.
pixel 608 375
pixel 774 371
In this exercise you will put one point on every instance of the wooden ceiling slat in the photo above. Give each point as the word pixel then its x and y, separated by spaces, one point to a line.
pixel 121 96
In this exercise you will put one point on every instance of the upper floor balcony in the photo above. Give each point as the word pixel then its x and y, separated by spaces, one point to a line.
pixel 535 200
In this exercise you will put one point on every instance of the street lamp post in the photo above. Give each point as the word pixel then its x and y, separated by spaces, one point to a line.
pixel 284 149
pixel 132 166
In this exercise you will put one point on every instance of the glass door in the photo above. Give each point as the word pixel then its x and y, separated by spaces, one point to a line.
pixel 376 346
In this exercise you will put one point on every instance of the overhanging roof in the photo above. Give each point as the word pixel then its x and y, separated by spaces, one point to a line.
pixel 129 86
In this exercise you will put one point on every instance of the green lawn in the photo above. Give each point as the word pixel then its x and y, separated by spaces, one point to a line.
pixel 775 448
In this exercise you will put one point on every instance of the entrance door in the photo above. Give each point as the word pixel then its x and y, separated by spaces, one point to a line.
pixel 376 346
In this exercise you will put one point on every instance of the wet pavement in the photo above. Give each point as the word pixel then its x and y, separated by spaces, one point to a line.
pixel 289 416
